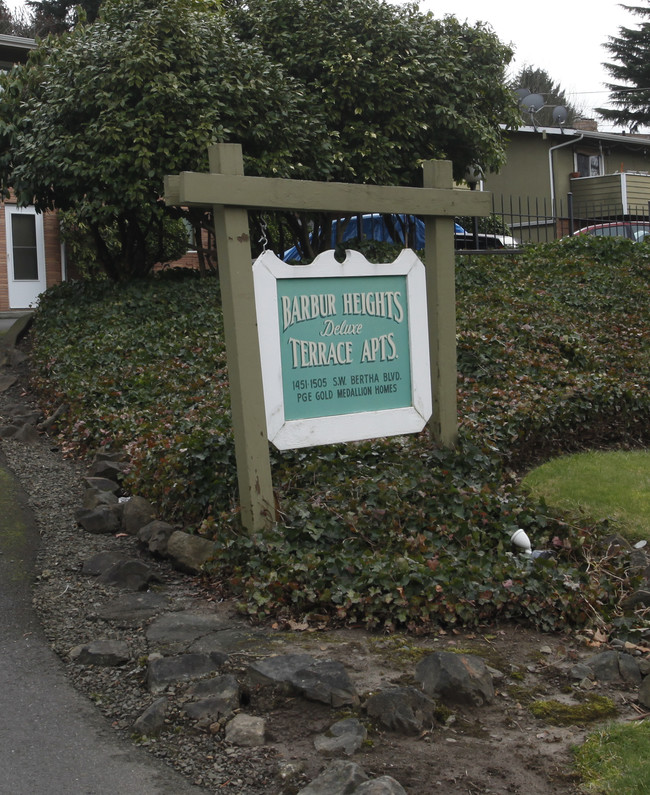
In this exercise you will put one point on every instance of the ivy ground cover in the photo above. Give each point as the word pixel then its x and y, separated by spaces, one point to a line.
pixel 553 354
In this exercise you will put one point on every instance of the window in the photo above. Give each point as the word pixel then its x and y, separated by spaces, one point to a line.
pixel 588 165
pixel 191 237
pixel 23 240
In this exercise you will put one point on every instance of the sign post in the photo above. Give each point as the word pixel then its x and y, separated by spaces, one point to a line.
pixel 385 357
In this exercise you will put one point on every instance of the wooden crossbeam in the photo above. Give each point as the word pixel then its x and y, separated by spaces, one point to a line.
pixel 263 193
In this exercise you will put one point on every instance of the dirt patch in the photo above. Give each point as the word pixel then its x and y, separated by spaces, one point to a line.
pixel 498 748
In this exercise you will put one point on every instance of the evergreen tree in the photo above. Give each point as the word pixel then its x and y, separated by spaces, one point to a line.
pixel 630 94
pixel 539 81
pixel 6 20
pixel 59 16
pixel 15 23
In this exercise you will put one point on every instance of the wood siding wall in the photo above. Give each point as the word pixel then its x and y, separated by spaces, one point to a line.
pixel 592 192
pixel 612 194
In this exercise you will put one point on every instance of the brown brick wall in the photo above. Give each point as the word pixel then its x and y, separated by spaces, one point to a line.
pixel 52 249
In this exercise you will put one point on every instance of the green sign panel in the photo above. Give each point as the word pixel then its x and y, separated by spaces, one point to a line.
pixel 344 345
pixel 344 348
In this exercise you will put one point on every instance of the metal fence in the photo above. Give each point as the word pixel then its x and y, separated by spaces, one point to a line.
pixel 538 221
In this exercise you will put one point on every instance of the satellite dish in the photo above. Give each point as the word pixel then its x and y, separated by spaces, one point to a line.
pixel 560 115
pixel 533 102
pixel 522 92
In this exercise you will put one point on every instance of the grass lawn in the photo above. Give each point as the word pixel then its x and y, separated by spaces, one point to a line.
pixel 613 485
pixel 615 760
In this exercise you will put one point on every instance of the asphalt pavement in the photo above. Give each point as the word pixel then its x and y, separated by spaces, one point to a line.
pixel 53 741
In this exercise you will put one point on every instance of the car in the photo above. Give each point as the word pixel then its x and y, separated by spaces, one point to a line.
pixel 633 230
pixel 376 227
pixel 466 241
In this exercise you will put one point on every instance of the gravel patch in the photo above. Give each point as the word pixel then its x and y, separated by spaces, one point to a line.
pixel 69 605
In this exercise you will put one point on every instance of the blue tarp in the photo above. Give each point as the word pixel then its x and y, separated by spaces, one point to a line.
pixel 374 228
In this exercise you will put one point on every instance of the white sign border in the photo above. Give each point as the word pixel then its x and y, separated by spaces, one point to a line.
pixel 293 434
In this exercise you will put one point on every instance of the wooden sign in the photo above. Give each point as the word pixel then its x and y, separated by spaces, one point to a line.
pixel 230 194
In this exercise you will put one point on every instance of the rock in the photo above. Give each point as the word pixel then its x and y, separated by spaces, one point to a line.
pixel 194 631
pixel 16 357
pixel 613 666
pixel 163 671
pixel 231 641
pixel 94 497
pixel 209 709
pixel 614 544
pixel 136 514
pixel 245 730
pixel 289 774
pixel 338 778
pixel 278 669
pixel 497 676
pixel 7 381
pixel 131 608
pixel 638 561
pixel 101 562
pixel 112 470
pixel 405 710
pixel 24 416
pixel 455 678
pixel 100 520
pixel 644 693
pixel 226 687
pixel 19 433
pixel 629 669
pixel 184 626
pixel 190 553
pixel 134 575
pixel 102 484
pixel 328 682
pixel 101 652
pixel 636 599
pixel 581 671
pixel 317 680
pixel 220 697
pixel 155 536
pixel 384 785
pixel 106 454
pixel 152 720
pixel 344 736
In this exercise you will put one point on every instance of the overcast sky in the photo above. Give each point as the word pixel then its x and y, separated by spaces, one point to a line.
pixel 564 37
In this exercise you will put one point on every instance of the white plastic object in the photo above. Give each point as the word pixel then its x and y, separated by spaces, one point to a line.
pixel 521 540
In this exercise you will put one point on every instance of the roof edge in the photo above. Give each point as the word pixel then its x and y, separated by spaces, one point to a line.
pixel 574 133
pixel 18 42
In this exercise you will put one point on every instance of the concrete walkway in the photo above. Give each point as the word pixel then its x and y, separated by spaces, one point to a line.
pixel 7 319
pixel 52 740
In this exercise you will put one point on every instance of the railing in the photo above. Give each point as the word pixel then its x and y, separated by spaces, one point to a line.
pixel 527 220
